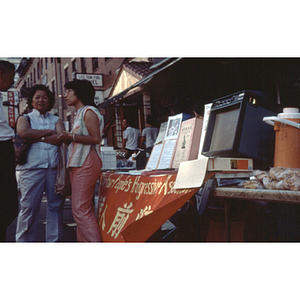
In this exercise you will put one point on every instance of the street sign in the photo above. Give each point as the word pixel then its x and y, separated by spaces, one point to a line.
pixel 95 79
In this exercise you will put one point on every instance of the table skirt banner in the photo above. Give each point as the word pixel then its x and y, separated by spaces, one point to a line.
pixel 132 207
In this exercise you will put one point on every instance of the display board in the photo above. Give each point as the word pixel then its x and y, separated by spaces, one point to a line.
pixel 188 141
pixel 161 133
pixel 167 154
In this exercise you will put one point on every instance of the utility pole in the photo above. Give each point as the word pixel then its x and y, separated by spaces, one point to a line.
pixel 59 86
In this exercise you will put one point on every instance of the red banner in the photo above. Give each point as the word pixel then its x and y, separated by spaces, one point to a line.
pixel 132 207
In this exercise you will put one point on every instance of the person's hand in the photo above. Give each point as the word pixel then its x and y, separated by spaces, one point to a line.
pixel 66 137
pixel 61 137
pixel 50 132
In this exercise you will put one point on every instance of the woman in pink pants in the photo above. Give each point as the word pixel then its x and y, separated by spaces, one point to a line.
pixel 84 160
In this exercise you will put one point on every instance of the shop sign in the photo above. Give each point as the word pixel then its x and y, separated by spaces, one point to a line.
pixel 95 79
pixel 11 109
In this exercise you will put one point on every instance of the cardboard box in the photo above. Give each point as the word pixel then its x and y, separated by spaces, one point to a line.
pixel 109 158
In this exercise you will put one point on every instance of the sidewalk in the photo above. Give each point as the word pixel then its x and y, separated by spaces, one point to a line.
pixel 69 227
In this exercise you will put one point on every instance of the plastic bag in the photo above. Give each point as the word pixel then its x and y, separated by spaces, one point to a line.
pixel 62 185
pixel 278 178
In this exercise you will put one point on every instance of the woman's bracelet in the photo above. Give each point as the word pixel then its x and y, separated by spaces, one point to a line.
pixel 74 138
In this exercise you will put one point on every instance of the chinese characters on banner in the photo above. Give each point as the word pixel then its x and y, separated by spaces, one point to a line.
pixel 11 109
pixel 132 207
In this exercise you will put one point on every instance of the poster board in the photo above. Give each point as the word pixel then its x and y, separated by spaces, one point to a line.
pixel 154 157
pixel 192 173
pixel 167 154
pixel 207 108
pixel 161 133
pixel 188 141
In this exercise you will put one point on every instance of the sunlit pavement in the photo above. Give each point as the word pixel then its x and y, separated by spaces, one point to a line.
pixel 69 228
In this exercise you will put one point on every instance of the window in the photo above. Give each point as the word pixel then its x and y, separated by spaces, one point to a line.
pixel 46 63
pixel 51 60
pixel 74 66
pixel 106 59
pixel 42 67
pixel 38 70
pixel 66 75
pixel 95 64
pixel 83 66
pixel 34 76
pixel 53 86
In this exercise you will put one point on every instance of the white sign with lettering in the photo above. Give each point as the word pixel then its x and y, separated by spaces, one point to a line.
pixel 95 79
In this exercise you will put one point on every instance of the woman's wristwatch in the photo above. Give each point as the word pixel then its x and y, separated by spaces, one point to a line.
pixel 42 139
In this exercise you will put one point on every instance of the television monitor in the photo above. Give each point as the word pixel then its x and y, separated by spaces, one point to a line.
pixel 236 129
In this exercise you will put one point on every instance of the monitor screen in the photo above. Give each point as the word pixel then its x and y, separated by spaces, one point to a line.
pixel 224 130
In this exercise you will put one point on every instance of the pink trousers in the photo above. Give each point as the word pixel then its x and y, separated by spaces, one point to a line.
pixel 83 181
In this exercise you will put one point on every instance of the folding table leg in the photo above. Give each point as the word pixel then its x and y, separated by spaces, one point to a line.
pixel 227 220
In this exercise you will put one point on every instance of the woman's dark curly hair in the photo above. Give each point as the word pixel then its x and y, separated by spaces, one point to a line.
pixel 40 87
pixel 83 89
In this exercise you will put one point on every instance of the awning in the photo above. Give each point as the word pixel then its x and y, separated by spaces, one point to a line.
pixel 137 86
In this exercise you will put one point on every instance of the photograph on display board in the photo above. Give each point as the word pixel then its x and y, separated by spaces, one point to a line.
pixel 174 124
pixel 173 129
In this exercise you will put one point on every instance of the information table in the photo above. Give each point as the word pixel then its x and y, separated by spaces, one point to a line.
pixel 133 207
pixel 228 193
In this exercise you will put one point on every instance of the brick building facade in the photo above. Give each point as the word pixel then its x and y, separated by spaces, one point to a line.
pixel 55 72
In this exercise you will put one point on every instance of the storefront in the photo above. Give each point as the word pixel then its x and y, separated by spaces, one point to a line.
pixel 176 85
pixel 175 88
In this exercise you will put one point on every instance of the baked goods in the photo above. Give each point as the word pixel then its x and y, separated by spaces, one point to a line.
pixel 252 184
pixel 278 178
pixel 277 173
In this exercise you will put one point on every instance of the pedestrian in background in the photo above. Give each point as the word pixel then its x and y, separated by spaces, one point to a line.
pixel 84 160
pixel 8 183
pixel 149 134
pixel 38 174
pixel 130 138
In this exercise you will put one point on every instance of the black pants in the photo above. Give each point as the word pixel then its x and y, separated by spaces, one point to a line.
pixel 128 153
pixel 8 187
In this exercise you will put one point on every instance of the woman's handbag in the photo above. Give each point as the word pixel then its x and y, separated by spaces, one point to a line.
pixel 21 147
pixel 62 185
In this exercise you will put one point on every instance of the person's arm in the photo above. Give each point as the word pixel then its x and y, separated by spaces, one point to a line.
pixel 124 140
pixel 124 143
pixel 93 126
pixel 53 139
pixel 143 139
pixel 29 134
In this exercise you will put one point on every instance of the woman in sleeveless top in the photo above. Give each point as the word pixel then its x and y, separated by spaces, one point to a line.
pixel 38 174
pixel 84 160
